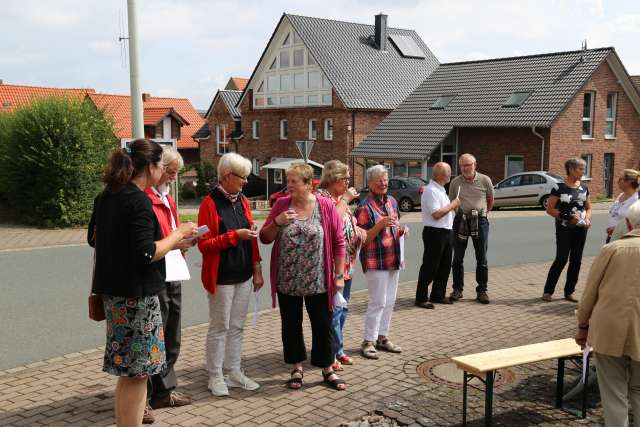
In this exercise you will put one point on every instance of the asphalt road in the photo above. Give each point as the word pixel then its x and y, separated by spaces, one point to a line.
pixel 43 303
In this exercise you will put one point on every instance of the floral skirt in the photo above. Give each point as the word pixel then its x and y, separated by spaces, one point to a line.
pixel 135 336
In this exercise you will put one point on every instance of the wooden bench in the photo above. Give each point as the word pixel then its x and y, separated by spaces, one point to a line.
pixel 484 366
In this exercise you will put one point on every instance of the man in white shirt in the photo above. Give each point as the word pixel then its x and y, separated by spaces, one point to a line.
pixel 437 218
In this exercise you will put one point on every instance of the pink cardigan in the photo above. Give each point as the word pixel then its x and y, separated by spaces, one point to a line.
pixel 333 241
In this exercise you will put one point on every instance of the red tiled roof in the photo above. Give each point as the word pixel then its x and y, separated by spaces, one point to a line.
pixel 239 82
pixel 154 115
pixel 119 107
pixel 14 96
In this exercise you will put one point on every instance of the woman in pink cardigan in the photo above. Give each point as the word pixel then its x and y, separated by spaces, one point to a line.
pixel 307 264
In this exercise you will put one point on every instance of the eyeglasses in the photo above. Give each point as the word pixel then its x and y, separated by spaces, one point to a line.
pixel 345 179
pixel 244 178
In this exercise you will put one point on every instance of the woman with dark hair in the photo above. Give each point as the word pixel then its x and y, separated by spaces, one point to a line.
pixel 569 204
pixel 130 271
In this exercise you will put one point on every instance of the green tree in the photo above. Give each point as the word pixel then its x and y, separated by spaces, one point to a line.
pixel 55 155
pixel 206 173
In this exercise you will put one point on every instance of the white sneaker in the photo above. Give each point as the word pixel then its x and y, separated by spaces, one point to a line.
pixel 240 380
pixel 218 387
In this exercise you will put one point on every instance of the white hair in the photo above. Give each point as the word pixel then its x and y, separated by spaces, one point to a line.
pixel 375 171
pixel 633 214
pixel 233 162
pixel 170 154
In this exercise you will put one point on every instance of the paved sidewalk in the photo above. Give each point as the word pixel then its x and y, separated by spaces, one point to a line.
pixel 71 390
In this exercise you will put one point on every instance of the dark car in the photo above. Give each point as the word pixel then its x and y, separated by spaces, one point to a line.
pixel 407 192
pixel 255 186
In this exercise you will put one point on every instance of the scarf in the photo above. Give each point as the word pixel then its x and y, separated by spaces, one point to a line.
pixel 231 197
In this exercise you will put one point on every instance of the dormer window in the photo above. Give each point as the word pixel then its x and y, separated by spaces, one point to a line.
pixel 442 102
pixel 516 99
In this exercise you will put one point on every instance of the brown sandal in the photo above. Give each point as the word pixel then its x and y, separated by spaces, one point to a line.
pixel 335 382
pixel 295 383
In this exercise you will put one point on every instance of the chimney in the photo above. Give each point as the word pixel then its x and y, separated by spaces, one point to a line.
pixel 146 97
pixel 381 31
pixel 1 82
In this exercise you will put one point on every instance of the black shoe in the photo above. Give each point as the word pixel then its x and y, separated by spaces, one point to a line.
pixel 482 298
pixel 455 295
pixel 424 304
pixel 571 298
pixel 443 300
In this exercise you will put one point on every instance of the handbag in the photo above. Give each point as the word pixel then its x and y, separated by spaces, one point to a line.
pixel 96 306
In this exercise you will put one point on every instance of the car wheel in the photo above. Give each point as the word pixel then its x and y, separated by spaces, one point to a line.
pixel 544 201
pixel 406 205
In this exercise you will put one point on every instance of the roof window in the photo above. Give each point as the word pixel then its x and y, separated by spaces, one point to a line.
pixel 516 99
pixel 442 102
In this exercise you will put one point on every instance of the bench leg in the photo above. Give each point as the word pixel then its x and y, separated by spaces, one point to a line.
pixel 584 389
pixel 560 383
pixel 488 399
pixel 465 377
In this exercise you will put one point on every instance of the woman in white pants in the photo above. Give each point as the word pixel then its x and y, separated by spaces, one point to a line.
pixel 380 258
pixel 230 272
pixel 609 321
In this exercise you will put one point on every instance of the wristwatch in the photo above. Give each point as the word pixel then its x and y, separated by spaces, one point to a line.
pixel 338 276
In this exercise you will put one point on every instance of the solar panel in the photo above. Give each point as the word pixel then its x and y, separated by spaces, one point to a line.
pixel 407 46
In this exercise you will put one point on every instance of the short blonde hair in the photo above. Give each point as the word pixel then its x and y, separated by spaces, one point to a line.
pixel 303 170
pixel 334 170
pixel 233 162
pixel 633 214
pixel 632 176
pixel 170 154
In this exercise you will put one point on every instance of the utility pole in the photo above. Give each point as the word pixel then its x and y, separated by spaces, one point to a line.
pixel 137 126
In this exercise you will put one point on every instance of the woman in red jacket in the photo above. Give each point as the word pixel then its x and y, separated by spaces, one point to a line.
pixel 230 262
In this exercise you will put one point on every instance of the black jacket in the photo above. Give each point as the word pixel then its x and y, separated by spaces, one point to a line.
pixel 126 230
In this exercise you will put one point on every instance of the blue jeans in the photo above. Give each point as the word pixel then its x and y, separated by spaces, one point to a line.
pixel 480 246
pixel 337 322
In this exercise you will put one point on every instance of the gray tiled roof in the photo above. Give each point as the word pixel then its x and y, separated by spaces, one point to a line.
pixel 636 81
pixel 363 76
pixel 203 132
pixel 230 99
pixel 412 130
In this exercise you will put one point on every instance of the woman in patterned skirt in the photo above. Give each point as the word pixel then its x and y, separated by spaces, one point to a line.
pixel 307 265
pixel 130 271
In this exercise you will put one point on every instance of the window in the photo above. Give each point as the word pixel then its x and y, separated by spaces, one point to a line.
pixel 328 129
pixel 273 83
pixel 271 100
pixel 326 84
pixel 587 168
pixel 587 115
pixel 277 176
pixel 298 57
pixel 286 40
pixel 326 99
pixel 314 80
pixel 259 101
pixel 313 129
pixel 284 100
pixel 532 179
pixel 394 184
pixel 313 100
pixel 299 81
pixel 284 59
pixel 221 145
pixel 310 60
pixel 400 168
pixel 415 168
pixel 296 38
pixel 514 181
pixel 513 165
pixel 610 128
pixel 516 99
pixel 274 64
pixel 261 87
pixel 255 129
pixel 255 167
pixel 284 82
pixel 284 129
pixel 442 102
pixel 298 100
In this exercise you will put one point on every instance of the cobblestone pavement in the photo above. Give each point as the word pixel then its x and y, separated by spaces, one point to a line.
pixel 71 390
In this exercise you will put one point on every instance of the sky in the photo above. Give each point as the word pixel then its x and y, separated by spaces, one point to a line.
pixel 189 48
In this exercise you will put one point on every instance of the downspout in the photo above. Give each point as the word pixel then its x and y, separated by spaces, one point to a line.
pixel 533 131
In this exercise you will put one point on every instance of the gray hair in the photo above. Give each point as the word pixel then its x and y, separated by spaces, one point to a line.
pixel 573 164
pixel 334 170
pixel 170 154
pixel 233 162
pixel 375 171
pixel 633 214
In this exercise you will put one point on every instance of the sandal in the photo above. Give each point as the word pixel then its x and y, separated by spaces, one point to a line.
pixel 345 360
pixel 295 383
pixel 368 350
pixel 387 345
pixel 335 382
pixel 337 366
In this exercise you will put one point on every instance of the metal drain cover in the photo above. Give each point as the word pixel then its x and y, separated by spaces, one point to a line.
pixel 444 371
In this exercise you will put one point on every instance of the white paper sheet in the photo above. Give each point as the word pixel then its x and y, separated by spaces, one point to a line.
pixel 339 301
pixel 401 241
pixel 585 356
pixel 176 266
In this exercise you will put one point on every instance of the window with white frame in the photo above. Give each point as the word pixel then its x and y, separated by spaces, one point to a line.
pixel 587 115
pixel 313 129
pixel 221 140
pixel 513 165
pixel 293 77
pixel 612 105
pixel 284 129
pixel 255 129
pixel 587 169
pixel 328 129
pixel 255 167
pixel 277 176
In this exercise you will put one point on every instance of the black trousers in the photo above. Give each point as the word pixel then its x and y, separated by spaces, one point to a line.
pixel 480 245
pixel 569 246
pixel 321 331
pixel 436 263
pixel 160 385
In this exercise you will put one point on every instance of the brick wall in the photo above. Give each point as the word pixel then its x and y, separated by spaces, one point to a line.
pixel 219 115
pixel 566 132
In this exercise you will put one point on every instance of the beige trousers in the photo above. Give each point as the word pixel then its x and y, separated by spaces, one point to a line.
pixel 619 382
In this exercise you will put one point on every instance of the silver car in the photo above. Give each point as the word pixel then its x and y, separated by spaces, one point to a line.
pixel 406 191
pixel 525 189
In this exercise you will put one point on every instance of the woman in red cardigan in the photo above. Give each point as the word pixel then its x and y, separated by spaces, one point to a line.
pixel 230 271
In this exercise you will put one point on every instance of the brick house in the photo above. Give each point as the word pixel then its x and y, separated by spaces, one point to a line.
pixel 327 81
pixel 517 114
pixel 222 126
pixel 15 96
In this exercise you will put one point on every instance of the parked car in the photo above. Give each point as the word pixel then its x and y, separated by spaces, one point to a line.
pixel 525 189
pixel 407 191
pixel 255 186
pixel 315 183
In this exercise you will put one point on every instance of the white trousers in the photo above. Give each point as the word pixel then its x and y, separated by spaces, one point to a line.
pixel 382 286
pixel 619 382
pixel 227 313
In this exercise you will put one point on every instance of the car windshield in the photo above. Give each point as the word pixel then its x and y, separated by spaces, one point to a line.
pixel 556 177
